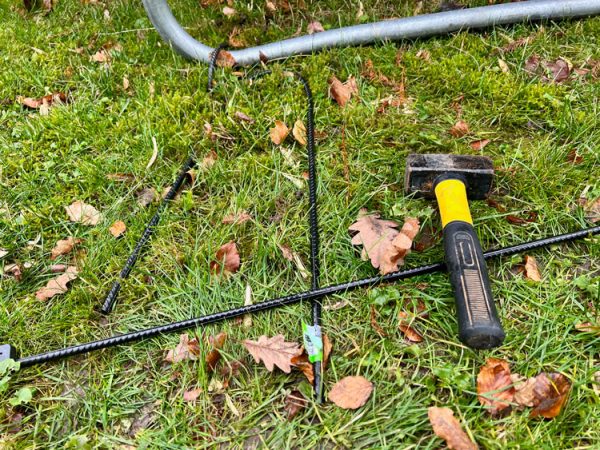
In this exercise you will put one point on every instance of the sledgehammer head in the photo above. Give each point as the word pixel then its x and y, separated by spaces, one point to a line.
pixel 422 172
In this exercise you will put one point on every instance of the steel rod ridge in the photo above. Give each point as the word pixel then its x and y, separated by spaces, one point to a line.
pixel 424 25
pixel 289 300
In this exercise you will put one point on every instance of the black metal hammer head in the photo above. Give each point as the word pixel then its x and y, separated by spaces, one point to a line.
pixel 422 171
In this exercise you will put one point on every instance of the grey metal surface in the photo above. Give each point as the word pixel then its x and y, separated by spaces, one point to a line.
pixel 389 30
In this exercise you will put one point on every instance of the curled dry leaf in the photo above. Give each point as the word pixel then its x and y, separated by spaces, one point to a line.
pixel 560 70
pixel 342 92
pixel 495 388
pixel 351 392
pixel 186 349
pixel 57 285
pixel 63 247
pixel 531 269
pixel 13 270
pixel 447 427
pixel 592 210
pixel 551 393
pixel 314 27
pixel 405 322
pixel 213 357
pixel 588 327
pixel 294 403
pixel 480 144
pixel 291 255
pixel 118 228
pixel 460 129
pixel 299 132
pixel 192 395
pixel 82 213
pixel 279 132
pixel 243 117
pixel 524 390
pixel 503 66
pixel 237 218
pixel 43 103
pixel 227 259
pixel 274 351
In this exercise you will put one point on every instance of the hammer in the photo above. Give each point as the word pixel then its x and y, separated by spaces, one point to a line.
pixel 451 179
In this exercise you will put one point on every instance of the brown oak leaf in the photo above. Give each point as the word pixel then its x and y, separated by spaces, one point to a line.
pixel 186 349
pixel 351 392
pixel 63 247
pixel 227 259
pixel 274 351
pixel 551 393
pixel 57 285
pixel 446 426
pixel 495 388
pixel 405 324
pixel 302 363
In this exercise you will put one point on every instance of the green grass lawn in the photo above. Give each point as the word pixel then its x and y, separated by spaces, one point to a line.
pixel 128 397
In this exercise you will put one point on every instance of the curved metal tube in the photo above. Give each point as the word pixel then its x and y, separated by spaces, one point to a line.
pixel 389 30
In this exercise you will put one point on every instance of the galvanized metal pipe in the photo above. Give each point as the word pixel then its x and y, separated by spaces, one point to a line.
pixel 389 30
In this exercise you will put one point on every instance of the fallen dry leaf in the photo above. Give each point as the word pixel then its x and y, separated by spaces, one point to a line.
pixel 503 66
pixel 209 160
pixel 82 213
pixel 385 246
pixel 58 268
pixel 342 92
pixel 186 349
pixel 423 54
pixel 302 363
pixel 405 325
pixel 532 64
pixel 291 255
pixel 551 392
pixel 124 177
pixel 447 427
pixel 294 403
pixel 227 259
pixel 299 132
pixel 495 388
pixel 43 103
pixel 560 70
pixel 351 392
pixel 3 252
pixel 235 40
pixel 192 395
pixel 13 270
pixel 63 247
pixel 314 27
pixel 229 12
pixel 531 269
pixel 101 56
pixel 57 285
pixel 146 196
pixel 243 117
pixel 460 129
pixel 237 218
pixel 274 351
pixel 524 390
pixel 279 132
pixel 125 83
pixel 588 327
pixel 480 144
pixel 118 228
pixel 213 357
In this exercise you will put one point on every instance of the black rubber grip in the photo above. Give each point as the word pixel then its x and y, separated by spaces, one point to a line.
pixel 478 323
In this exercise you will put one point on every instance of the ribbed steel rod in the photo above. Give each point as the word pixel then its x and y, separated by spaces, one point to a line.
pixel 290 299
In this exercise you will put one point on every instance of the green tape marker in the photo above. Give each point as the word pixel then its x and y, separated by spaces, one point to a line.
pixel 313 342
